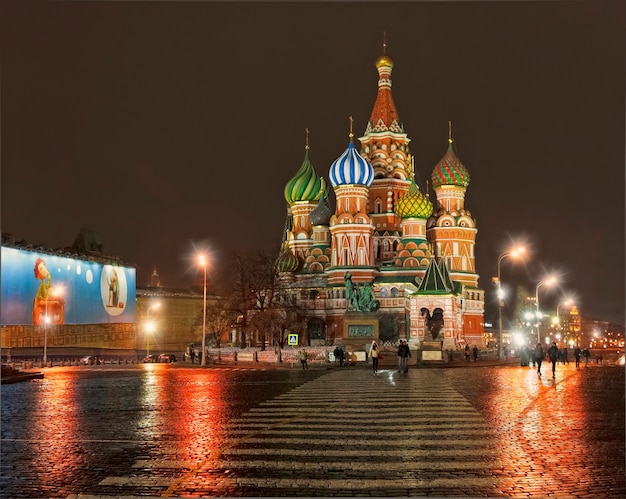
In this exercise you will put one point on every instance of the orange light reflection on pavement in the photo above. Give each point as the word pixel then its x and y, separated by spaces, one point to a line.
pixel 535 417
pixel 56 447
pixel 194 405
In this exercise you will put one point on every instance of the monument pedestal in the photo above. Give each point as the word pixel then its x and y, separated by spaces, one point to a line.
pixel 431 351
pixel 359 330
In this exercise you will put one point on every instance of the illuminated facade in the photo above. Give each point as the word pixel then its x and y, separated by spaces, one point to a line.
pixel 385 237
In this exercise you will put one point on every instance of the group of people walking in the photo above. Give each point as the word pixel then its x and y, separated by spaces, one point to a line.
pixel 555 355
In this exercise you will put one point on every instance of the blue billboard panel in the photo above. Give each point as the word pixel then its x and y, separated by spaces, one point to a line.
pixel 38 288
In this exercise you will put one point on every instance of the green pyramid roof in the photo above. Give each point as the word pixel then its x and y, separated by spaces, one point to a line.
pixel 433 282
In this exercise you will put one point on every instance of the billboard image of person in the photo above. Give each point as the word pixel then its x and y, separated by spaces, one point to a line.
pixel 41 289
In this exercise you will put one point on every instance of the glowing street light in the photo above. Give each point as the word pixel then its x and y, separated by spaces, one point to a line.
pixel 515 253
pixel 202 260
pixel 53 292
pixel 549 282
pixel 150 326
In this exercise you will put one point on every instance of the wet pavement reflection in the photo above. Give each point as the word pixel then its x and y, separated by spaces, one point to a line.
pixel 173 431
pixel 561 437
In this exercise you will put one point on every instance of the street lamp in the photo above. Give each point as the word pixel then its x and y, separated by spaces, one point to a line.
pixel 520 250
pixel 53 292
pixel 203 263
pixel 45 336
pixel 550 281
pixel 150 327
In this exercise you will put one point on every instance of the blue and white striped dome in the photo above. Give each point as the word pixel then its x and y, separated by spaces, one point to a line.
pixel 351 168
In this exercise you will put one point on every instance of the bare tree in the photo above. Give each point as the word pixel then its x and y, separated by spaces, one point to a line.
pixel 218 321
pixel 253 291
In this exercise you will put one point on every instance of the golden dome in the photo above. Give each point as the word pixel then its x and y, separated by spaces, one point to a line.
pixel 384 60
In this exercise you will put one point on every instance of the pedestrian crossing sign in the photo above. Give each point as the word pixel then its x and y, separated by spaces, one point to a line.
pixel 292 339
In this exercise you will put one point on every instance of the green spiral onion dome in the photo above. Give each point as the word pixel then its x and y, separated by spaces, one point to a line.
pixel 306 185
pixel 287 261
pixel 450 170
pixel 414 204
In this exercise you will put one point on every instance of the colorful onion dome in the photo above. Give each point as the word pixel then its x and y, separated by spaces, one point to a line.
pixel 450 170
pixel 287 261
pixel 322 212
pixel 351 168
pixel 306 185
pixel 414 204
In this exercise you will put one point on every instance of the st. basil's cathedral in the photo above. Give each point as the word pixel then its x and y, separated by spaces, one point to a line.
pixel 388 263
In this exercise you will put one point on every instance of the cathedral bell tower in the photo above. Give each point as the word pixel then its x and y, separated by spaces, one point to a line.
pixel 386 147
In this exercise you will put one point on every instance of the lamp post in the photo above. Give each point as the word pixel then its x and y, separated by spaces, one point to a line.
pixel 45 336
pixel 53 292
pixel 203 263
pixel 550 281
pixel 150 326
pixel 514 254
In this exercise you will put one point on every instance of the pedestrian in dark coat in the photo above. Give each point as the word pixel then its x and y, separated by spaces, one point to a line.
pixel 338 353
pixel 577 353
pixel 586 355
pixel 475 353
pixel 538 355
pixel 467 353
pixel 553 353
pixel 403 356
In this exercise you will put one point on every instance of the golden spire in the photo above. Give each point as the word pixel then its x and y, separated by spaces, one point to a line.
pixel 307 139
pixel 449 132
pixel 384 42
pixel 351 134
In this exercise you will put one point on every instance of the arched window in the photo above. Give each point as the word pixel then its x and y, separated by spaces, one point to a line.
pixel 394 292
pixel 383 292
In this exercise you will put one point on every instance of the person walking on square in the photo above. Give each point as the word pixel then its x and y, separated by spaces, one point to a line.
pixel 475 353
pixel 538 356
pixel 577 356
pixel 586 355
pixel 467 353
pixel 302 358
pixel 553 353
pixel 374 355
pixel 403 357
pixel 564 356
pixel 339 355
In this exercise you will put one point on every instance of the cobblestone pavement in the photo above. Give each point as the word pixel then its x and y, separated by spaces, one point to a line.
pixel 496 431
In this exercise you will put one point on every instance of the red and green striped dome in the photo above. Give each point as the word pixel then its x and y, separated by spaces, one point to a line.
pixel 450 170
pixel 414 204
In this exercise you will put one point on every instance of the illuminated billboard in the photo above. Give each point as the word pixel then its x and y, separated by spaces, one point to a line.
pixel 39 288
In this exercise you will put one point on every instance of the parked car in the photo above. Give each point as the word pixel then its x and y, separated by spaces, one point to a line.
pixel 90 360
pixel 166 358
pixel 149 359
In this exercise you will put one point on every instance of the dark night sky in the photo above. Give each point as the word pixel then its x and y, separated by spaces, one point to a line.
pixel 166 126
